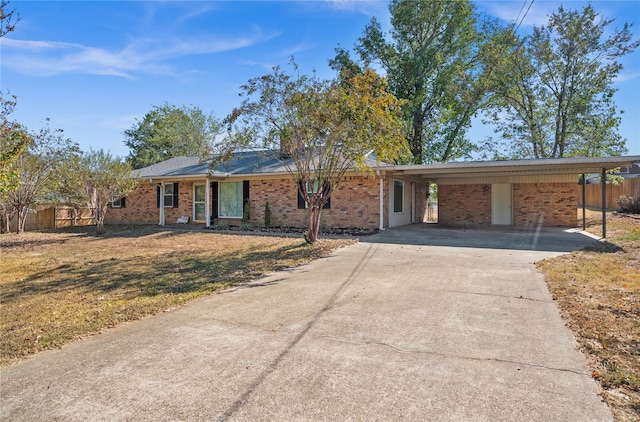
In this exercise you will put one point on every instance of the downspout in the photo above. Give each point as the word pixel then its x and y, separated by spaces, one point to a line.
pixel 381 200
pixel 161 223
pixel 604 203
pixel 207 203
pixel 584 201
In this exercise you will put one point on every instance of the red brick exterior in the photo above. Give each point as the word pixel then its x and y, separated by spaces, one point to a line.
pixel 554 204
pixel 354 204
pixel 469 205
pixel 464 205
pixel 141 206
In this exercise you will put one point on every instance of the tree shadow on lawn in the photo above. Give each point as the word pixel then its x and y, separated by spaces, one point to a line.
pixel 172 273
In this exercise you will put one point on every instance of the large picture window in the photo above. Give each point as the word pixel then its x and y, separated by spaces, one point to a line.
pixel 230 199
pixel 398 196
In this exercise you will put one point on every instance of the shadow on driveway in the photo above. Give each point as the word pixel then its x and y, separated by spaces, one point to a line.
pixel 551 239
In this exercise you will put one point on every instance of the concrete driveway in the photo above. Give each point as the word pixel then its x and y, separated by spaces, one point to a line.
pixel 423 329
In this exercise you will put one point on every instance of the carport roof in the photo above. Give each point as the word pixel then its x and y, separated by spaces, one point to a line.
pixel 547 166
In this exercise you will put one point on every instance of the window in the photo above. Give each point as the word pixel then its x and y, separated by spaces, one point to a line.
pixel 168 195
pixel 398 196
pixel 117 203
pixel 230 199
pixel 312 188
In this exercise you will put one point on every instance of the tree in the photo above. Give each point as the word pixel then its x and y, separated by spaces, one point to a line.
pixel 37 168
pixel 95 179
pixel 8 18
pixel 554 89
pixel 13 142
pixel 322 129
pixel 168 131
pixel 430 61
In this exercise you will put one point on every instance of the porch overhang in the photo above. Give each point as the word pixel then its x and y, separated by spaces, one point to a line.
pixel 534 167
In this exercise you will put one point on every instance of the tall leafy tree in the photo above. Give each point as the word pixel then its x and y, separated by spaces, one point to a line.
pixel 95 179
pixel 322 129
pixel 554 88
pixel 38 169
pixel 168 131
pixel 430 57
pixel 14 140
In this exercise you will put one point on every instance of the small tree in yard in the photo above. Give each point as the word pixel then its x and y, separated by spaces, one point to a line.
pixel 95 179
pixel 38 168
pixel 322 129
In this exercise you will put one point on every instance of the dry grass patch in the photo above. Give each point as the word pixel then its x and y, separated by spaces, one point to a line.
pixel 56 287
pixel 598 292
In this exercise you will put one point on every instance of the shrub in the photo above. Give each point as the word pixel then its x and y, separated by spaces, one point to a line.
pixel 629 204
pixel 245 213
pixel 267 215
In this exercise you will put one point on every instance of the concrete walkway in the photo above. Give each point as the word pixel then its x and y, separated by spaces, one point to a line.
pixel 381 330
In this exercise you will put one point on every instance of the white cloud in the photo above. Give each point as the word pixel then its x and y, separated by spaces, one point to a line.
pixel 47 58
pixel 626 77
pixel 511 10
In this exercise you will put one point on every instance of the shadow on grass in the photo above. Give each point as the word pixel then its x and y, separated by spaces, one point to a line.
pixel 172 273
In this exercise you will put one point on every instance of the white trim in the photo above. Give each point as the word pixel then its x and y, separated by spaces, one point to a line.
pixel 161 222
pixel 381 201
pixel 207 203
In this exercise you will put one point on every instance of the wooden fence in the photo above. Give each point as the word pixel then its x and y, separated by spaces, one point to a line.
pixel 55 218
pixel 593 193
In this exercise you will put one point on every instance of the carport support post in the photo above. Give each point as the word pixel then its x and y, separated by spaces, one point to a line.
pixel 161 204
pixel 584 201
pixel 604 203
pixel 381 201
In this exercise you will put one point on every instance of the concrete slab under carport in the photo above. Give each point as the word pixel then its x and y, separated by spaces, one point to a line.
pixel 552 239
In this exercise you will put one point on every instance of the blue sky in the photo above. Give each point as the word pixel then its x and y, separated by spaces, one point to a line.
pixel 94 67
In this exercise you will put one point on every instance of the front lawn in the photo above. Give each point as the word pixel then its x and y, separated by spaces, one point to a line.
pixel 598 292
pixel 57 287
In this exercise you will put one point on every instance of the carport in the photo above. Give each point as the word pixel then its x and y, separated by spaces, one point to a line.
pixel 512 192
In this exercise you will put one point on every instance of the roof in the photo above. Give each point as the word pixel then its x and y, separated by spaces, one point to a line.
pixel 243 163
pixel 267 162
pixel 547 166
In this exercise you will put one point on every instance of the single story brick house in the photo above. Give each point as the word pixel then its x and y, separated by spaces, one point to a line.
pixel 515 192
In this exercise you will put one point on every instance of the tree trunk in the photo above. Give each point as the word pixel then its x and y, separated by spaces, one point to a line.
pixel 314 223
pixel 100 220
pixel 4 223
pixel 21 219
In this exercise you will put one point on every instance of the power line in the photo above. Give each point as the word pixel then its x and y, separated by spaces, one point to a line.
pixel 523 16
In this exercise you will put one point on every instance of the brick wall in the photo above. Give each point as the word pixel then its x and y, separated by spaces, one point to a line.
pixel 555 203
pixel 468 205
pixel 353 204
pixel 141 206
pixel 464 205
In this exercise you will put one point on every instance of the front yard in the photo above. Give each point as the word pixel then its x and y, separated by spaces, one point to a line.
pixel 57 287
pixel 598 292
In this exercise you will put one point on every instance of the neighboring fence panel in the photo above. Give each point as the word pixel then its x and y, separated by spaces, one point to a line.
pixel 64 217
pixel 630 187
pixel 55 218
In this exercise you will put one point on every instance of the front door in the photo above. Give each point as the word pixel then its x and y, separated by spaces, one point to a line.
pixel 501 208
pixel 199 203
